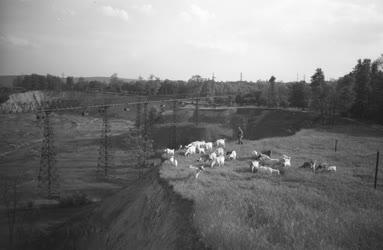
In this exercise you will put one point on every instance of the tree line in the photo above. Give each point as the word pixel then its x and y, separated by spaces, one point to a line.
pixel 357 94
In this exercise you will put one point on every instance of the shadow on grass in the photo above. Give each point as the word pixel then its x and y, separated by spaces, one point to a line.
pixel 181 178
pixel 243 170
pixel 248 158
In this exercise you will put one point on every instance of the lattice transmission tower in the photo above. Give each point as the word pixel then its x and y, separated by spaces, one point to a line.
pixel 48 177
pixel 104 162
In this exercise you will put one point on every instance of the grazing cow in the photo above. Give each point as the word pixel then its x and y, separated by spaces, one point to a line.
pixel 260 156
pixel 266 152
pixel 254 165
pixel 310 164
pixel 190 150
pixel 307 164
pixel 254 154
pixel 209 146
pixel 321 166
pixel 331 168
pixel 220 151
pixel 173 161
pixel 197 144
pixel 200 150
pixel 286 161
pixel 191 144
pixel 220 143
pixel 265 160
pixel 232 155
pixel 212 156
pixel 169 151
pixel 199 170
pixel 220 160
pixel 267 170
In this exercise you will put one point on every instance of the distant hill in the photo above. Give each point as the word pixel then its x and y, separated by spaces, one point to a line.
pixel 7 80
pixel 104 79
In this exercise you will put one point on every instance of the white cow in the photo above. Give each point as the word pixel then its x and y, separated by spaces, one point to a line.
pixel 220 160
pixel 196 144
pixel 331 168
pixel 220 143
pixel 190 150
pixel 267 170
pixel 212 156
pixel 286 161
pixel 169 151
pixel 254 154
pixel 254 165
pixel 220 151
pixel 173 161
pixel 269 161
pixel 200 150
pixel 209 146
pixel 233 155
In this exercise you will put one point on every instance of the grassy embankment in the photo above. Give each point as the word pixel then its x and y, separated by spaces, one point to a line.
pixel 235 209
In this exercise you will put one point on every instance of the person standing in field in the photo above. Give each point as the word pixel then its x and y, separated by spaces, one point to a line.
pixel 240 135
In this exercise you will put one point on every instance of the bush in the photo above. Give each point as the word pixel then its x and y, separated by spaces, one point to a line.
pixel 4 94
pixel 74 200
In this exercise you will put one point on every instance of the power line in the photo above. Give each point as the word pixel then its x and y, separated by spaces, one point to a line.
pixel 30 110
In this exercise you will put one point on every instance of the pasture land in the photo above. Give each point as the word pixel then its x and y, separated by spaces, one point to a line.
pixel 77 143
pixel 230 208
pixel 237 209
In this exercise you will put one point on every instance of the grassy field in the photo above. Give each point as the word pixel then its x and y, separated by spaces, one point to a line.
pixel 232 208
pixel 76 142
pixel 236 209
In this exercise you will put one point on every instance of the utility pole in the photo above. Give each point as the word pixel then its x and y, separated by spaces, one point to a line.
pixel 146 118
pixel 213 77
pixel 174 124
pixel 138 115
pixel 240 77
pixel 196 111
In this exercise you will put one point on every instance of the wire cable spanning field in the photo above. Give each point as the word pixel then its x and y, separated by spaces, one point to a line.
pixel 27 108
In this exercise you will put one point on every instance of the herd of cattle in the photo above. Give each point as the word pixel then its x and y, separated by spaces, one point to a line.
pixel 261 162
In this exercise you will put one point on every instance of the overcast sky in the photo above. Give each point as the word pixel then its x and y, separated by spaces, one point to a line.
pixel 175 39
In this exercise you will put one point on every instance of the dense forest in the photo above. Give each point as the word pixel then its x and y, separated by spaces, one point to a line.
pixel 358 94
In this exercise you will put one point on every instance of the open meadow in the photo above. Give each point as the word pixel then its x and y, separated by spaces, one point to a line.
pixel 225 208
pixel 237 209
pixel 76 142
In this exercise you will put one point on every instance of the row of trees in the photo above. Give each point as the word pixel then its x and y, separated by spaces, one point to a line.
pixel 357 94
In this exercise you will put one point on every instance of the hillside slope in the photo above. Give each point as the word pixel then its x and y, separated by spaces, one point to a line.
pixel 145 215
